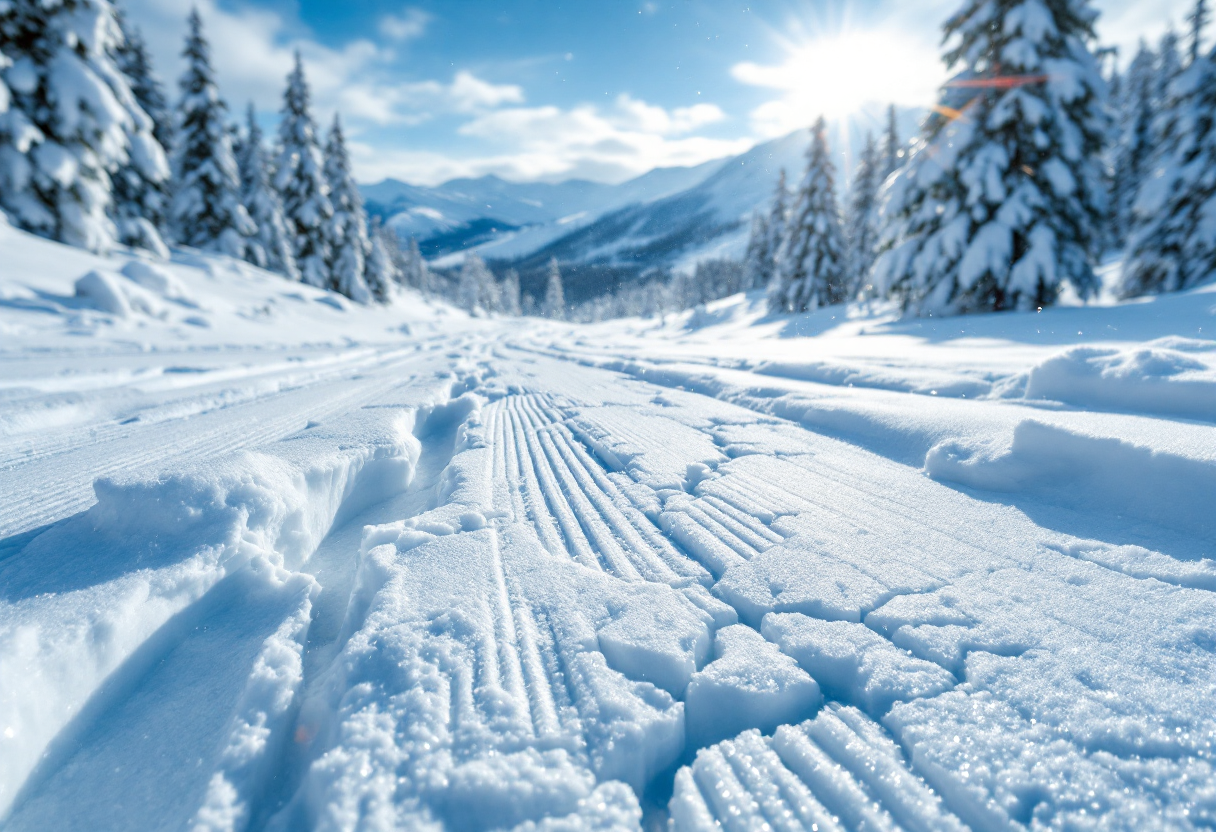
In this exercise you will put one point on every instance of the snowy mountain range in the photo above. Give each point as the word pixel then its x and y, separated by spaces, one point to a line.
pixel 669 217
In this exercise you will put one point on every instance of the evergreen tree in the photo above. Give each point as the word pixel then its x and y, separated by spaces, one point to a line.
pixel 141 186
pixel 381 273
pixel 758 259
pixel 554 304
pixel 1002 204
pixel 347 227
pixel 414 271
pixel 1173 241
pixel 474 290
pixel 861 217
pixel 812 270
pixel 270 247
pixel 133 60
pixel 71 120
pixel 717 277
pixel 778 226
pixel 1168 66
pixel 1134 140
pixel 1198 20
pixel 509 293
pixel 300 179
pixel 892 147
pixel 206 211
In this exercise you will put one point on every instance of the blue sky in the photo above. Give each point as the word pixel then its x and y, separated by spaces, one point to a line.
pixel 553 89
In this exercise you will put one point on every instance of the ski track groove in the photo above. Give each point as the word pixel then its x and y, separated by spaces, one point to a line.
pixel 631 524
pixel 575 542
pixel 566 688
pixel 761 536
pixel 530 497
pixel 599 525
pixel 839 771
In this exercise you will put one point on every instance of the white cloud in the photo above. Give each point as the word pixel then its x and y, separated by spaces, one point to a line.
pixel 610 145
pixel 409 25
pixel 646 117
pixel 469 93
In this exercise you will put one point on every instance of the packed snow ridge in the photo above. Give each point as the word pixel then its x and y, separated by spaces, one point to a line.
pixel 270 560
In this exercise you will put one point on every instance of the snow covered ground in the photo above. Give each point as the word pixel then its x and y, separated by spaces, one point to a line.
pixel 270 561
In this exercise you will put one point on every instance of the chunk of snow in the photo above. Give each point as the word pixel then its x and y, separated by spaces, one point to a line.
pixel 749 684
pixel 853 663
pixel 113 293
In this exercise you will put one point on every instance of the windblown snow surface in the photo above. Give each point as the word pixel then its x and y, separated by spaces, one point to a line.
pixel 271 562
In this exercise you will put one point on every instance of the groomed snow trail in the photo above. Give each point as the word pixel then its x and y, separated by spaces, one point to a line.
pixel 518 581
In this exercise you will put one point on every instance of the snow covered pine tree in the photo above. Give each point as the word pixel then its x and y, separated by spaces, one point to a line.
pixel 70 121
pixel 554 304
pixel 767 238
pixel 1002 201
pixel 812 270
pixel 892 147
pixel 414 271
pixel 141 186
pixel 270 246
pixel 1169 64
pixel 508 294
pixel 1173 240
pixel 300 180
pixel 757 259
pixel 861 218
pixel 778 227
pixel 347 227
pixel 1134 141
pixel 381 273
pixel 206 212
pixel 476 289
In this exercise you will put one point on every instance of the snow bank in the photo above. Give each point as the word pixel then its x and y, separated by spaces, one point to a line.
pixel 1170 376
pixel 158 542
pixel 1108 474
pixel 845 374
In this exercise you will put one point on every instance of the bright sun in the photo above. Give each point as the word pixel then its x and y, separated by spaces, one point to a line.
pixel 836 75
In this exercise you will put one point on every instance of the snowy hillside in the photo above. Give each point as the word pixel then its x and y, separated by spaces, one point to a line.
pixel 667 217
pixel 466 213
pixel 269 560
